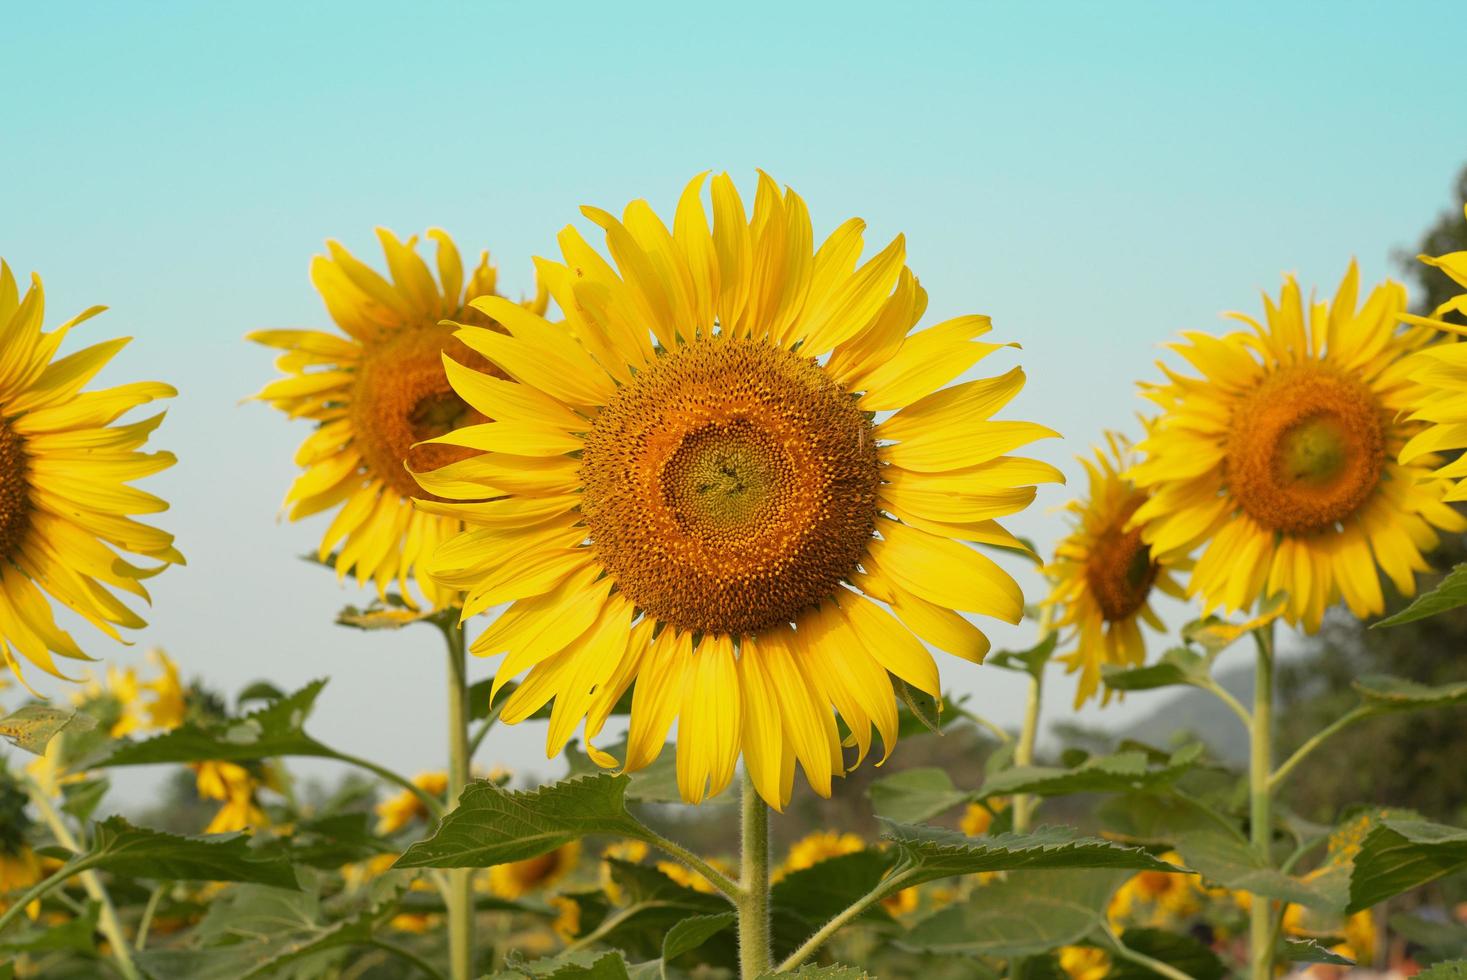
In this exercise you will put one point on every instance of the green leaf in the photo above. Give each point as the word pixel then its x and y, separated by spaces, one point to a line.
pixel 1233 863
pixel 1310 951
pixel 1157 818
pixel 82 799
pixel 1172 948
pixel 809 971
pixel 1119 773
pixel 652 904
pixel 274 730
pixel 254 931
pixel 1398 855
pixel 72 936
pixel 1449 593
pixel 690 933
pixel 929 853
pixel 915 795
pixel 120 848
pixel 1178 665
pixel 493 826
pixel 806 899
pixel 1020 916
pixel 922 706
pixel 1454 970
pixel 32 727
pixel 1443 940
pixel 1385 693
pixel 579 965
pixel 1031 661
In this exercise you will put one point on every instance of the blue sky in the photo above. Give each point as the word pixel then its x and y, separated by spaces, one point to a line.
pixel 1094 176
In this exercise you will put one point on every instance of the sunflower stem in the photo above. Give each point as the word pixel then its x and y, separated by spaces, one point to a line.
pixel 460 898
pixel 1024 750
pixel 1260 809
pixel 754 951
pixel 107 920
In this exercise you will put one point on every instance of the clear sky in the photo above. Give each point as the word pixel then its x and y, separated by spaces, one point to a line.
pixel 1094 176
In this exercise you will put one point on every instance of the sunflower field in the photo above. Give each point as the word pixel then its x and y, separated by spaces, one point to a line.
pixel 721 507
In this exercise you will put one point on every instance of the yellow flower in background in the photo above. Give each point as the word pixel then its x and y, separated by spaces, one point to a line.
pixel 631 851
pixel 1442 370
pixel 403 808
pixel 1155 898
pixel 66 510
pixel 20 868
pixel 567 921
pixel 116 700
pixel 375 394
pixel 168 707
pixel 1362 938
pixel 1103 575
pixel 903 902
pixel 815 847
pixel 236 787
pixel 1084 962
pixel 977 818
pixel 689 878
pixel 518 878
pixel 1283 460
pixel 694 455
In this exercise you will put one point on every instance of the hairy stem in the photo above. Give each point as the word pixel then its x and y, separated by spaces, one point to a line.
pixel 753 903
pixel 716 878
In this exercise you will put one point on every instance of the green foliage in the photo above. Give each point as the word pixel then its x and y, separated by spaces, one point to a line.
pixel 492 826
pixel 1118 773
pixel 1179 665
pixel 1383 693
pixel 120 848
pixel 1310 951
pixel 274 730
pixel 1020 916
pixel 1230 861
pixel 1449 594
pixel 1399 855
pixel 1455 970
pixel 929 853
pixel 1172 948
pixel 915 795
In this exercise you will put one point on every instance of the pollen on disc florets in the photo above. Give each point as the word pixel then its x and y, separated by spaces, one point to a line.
pixel 730 486
pixel 402 397
pixel 1306 449
pixel 1119 569
pixel 15 499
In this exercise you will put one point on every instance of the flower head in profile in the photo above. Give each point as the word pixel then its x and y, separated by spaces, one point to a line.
pixel 517 878
pixel 705 480
pixel 817 846
pixel 67 512
pixel 378 396
pixel 1441 369
pixel 404 807
pixel 1104 576
pixel 1284 461
pixel 236 787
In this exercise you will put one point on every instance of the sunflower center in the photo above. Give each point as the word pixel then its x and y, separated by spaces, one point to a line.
pixel 15 499
pixel 729 486
pixel 403 397
pixel 1306 449
pixel 1120 571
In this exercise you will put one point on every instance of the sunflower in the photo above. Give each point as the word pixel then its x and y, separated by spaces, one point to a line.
pixel 1442 370
pixel 977 818
pixel 1103 575
pixel 65 506
pixel 375 394
pixel 1284 458
pixel 817 846
pixel 1084 962
pixel 20 868
pixel 510 881
pixel 396 812
pixel 707 511
pixel 236 787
